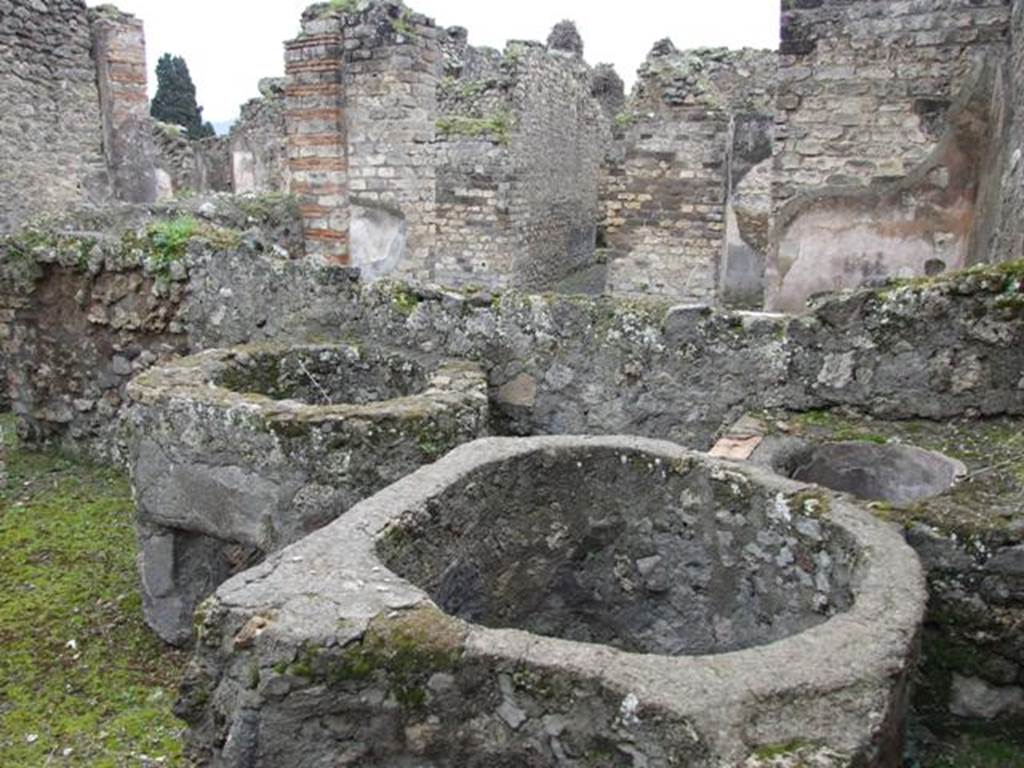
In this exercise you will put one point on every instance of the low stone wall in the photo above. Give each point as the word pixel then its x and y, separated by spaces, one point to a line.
pixel 933 349
pixel 111 286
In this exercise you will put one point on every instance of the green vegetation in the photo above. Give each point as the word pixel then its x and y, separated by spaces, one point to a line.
pixel 976 751
pixel 82 681
pixel 338 6
pixel 497 127
pixel 167 241
pixel 403 24
pixel 1006 278
pixel 405 650
pixel 624 120
pixel 771 751
pixel 175 100
pixel 839 428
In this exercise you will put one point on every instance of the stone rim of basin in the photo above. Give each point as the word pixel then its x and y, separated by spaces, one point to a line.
pixel 845 666
pixel 893 473
pixel 198 378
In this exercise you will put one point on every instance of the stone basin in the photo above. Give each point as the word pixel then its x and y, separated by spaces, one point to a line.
pixel 237 453
pixel 564 601
pixel 894 473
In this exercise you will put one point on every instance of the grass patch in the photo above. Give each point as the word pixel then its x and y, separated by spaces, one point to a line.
pixel 82 681
pixel 496 127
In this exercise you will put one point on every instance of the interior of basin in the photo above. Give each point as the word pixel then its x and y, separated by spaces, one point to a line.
pixel 627 549
pixel 326 375
pixel 898 474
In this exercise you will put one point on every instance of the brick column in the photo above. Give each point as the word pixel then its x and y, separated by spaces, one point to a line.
pixel 317 136
pixel 119 51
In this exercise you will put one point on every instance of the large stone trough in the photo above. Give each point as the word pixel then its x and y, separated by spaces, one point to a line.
pixel 237 453
pixel 562 601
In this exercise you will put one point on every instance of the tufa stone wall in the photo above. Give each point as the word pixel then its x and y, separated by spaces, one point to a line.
pixel 259 143
pixel 672 167
pixel 186 166
pixel 50 127
pixel 884 127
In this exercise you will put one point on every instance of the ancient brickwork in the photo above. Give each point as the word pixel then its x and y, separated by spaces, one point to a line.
pixel 519 153
pixel 864 86
pixel 557 149
pixel 669 173
pixel 259 143
pixel 391 70
pixel 884 126
pixel 119 50
pixel 317 134
pixel 50 127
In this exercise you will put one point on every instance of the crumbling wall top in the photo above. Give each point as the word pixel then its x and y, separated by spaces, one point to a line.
pixel 734 80
pixel 566 38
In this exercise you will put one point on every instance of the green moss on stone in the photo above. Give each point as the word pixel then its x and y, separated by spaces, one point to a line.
pixel 496 127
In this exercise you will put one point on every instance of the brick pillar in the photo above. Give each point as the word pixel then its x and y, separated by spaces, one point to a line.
pixel 317 136
pixel 119 51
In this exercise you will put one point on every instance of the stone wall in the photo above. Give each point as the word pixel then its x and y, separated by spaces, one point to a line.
pixel 50 125
pixel 392 67
pixel 259 143
pixel 556 365
pixel 1008 241
pixel 485 176
pixel 119 51
pixel 187 166
pixel 519 153
pixel 889 178
pixel 671 169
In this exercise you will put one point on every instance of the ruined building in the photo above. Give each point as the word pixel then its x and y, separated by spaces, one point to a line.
pixel 806 262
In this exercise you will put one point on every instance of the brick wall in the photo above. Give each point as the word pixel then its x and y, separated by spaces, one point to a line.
pixel 668 174
pixel 317 134
pixel 119 51
pixel 864 85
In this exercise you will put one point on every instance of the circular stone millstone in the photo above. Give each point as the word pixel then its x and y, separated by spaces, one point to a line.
pixel 237 453
pixel 598 601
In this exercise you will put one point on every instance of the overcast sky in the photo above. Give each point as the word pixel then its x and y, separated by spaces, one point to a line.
pixel 230 44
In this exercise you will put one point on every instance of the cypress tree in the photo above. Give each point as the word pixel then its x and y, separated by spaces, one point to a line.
pixel 175 100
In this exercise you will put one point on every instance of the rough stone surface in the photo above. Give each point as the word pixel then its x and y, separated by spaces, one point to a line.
pixel 237 454
pixel 187 166
pixel 889 184
pixel 259 145
pixel 936 350
pixel 331 642
pixel 895 474
pixel 47 80
pixel 694 126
